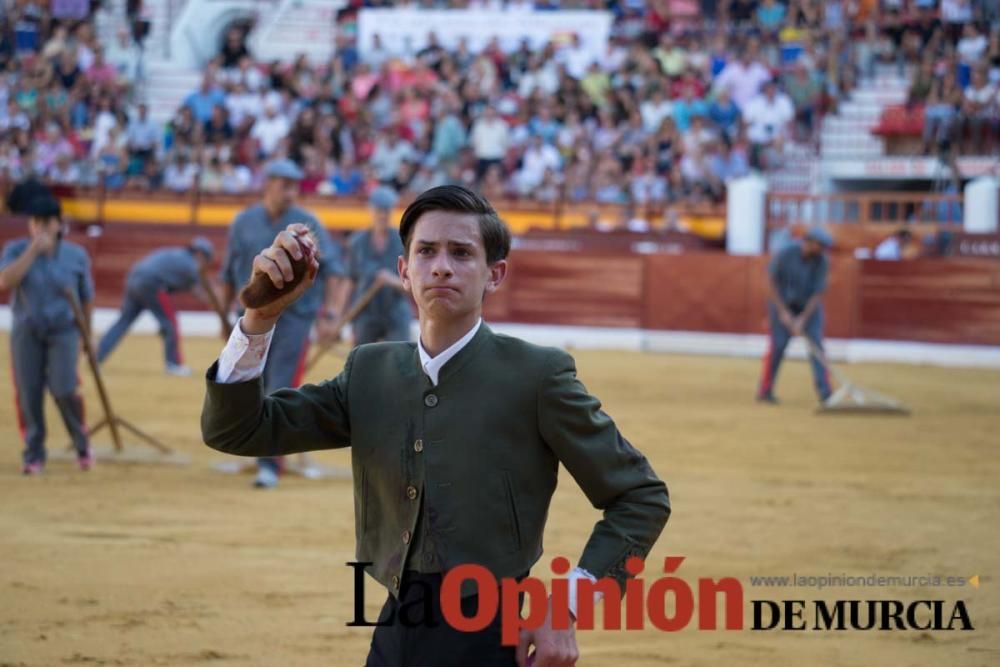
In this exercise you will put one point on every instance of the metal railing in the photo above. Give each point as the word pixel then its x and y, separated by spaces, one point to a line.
pixel 864 208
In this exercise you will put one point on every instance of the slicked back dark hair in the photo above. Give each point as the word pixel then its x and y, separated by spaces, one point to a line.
pixel 459 199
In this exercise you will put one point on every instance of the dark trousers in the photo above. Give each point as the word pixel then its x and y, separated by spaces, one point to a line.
pixel 431 642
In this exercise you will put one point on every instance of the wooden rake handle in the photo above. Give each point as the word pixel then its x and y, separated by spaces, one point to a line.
pixel 81 324
pixel 347 317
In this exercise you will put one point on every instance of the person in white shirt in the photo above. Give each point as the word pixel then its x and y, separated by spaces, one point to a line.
pixel 743 79
pixel 576 58
pixel 768 117
pixel 538 158
pixel 894 248
pixel 654 109
pixel 390 152
pixel 490 138
pixel 981 113
pixel 270 129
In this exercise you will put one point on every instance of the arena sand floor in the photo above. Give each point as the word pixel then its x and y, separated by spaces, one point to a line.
pixel 145 565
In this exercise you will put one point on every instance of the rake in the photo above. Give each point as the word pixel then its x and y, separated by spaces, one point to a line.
pixel 850 397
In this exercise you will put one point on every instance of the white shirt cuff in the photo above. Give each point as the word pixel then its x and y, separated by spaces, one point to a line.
pixel 244 356
pixel 575 576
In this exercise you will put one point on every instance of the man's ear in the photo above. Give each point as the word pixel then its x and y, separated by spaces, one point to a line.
pixel 404 274
pixel 498 271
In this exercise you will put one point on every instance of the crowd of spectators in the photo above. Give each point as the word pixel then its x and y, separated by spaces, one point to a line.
pixel 686 96
pixel 957 81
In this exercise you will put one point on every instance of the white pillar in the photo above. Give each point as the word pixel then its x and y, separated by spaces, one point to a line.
pixel 980 205
pixel 745 215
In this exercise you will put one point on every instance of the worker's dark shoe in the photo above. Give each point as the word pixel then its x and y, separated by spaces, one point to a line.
pixel 767 397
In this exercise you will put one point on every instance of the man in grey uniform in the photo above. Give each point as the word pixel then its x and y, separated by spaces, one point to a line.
pixel 797 280
pixel 374 253
pixel 43 270
pixel 253 230
pixel 148 287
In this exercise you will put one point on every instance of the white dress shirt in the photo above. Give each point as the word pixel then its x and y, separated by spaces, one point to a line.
pixel 244 357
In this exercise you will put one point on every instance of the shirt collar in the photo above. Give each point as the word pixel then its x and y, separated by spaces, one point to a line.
pixel 432 365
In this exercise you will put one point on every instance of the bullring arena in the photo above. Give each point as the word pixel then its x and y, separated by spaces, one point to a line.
pixel 651 158
pixel 134 564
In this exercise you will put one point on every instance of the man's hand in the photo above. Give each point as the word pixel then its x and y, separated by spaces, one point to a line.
pixel 553 648
pixel 275 263
pixel 786 319
pixel 42 243
pixel 797 326
pixel 327 330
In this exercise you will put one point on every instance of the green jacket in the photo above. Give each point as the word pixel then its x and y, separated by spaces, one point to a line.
pixel 459 473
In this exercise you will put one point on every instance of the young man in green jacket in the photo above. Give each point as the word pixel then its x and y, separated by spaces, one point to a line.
pixel 456 440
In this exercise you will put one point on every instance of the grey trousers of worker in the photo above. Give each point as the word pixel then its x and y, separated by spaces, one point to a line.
pixel 137 300
pixel 40 361
pixel 286 360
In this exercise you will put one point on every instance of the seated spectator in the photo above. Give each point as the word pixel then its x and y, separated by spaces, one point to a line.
pixel 347 179
pixel 941 114
pixel 490 138
pixel 687 107
pixel 724 114
pixel 697 135
pixel 236 178
pixel 112 159
pixel 125 56
pixel 654 109
pixel 180 174
pixel 539 157
pixel 207 97
pixel 769 16
pixel 805 91
pixel 390 151
pixel 101 73
pixel 742 78
pixel 234 48
pixel 50 146
pixel 981 113
pixel 269 130
pixel 65 171
pixel 896 247
pixel 768 117
pixel 66 70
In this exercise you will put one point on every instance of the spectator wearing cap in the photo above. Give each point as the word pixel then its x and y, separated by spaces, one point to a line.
pixel 796 285
pixel 44 272
pixel 372 261
pixel 149 285
pixel 252 231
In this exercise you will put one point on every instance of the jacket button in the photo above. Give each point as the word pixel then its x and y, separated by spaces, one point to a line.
pixel 418 446
pixel 411 492
pixel 395 581
pixel 406 537
pixel 430 400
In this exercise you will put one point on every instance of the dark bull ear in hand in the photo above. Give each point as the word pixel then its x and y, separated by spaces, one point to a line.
pixel 260 291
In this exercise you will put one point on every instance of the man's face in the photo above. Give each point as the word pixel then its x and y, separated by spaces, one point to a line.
pixel 445 268
pixel 48 226
pixel 811 248
pixel 280 193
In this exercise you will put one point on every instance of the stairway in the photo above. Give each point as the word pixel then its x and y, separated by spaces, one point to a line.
pixel 845 135
pixel 297 27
